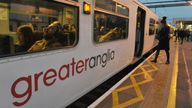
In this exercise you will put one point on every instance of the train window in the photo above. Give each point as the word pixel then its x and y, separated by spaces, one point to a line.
pixel 109 27
pixel 151 26
pixel 106 4
pixel 122 10
pixel 157 27
pixel 35 25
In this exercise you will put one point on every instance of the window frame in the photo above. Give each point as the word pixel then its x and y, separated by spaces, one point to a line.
pixel 152 22
pixel 123 6
pixel 104 11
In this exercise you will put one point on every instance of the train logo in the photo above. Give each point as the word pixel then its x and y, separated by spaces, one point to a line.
pixel 50 76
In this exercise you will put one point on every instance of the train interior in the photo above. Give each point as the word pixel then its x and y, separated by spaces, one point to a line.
pixel 38 16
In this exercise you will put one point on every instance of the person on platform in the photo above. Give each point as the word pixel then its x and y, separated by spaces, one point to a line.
pixel 163 41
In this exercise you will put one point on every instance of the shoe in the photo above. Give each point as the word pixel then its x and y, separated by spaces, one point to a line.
pixel 154 61
pixel 167 62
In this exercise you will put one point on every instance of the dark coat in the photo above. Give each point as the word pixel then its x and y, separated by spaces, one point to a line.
pixel 164 38
pixel 24 47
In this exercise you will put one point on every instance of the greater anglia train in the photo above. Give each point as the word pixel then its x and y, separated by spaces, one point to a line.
pixel 55 51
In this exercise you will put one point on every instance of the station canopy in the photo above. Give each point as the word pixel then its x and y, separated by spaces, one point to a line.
pixel 178 12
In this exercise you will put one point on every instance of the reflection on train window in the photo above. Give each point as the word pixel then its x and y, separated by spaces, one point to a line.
pixel 105 4
pixel 151 26
pixel 109 27
pixel 35 25
pixel 122 10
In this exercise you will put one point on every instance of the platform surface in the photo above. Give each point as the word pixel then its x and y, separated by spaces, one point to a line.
pixel 157 85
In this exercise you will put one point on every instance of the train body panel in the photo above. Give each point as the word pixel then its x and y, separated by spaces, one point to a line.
pixel 149 39
pixel 55 78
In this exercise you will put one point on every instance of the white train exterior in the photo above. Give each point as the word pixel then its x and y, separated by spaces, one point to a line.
pixel 56 78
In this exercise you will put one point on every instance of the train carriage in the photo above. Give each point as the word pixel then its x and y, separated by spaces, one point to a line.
pixel 75 46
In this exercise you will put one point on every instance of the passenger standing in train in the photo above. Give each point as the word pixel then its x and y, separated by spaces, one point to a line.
pixel 25 38
pixel 163 41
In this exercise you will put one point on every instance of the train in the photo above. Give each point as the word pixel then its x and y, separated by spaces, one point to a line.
pixel 97 39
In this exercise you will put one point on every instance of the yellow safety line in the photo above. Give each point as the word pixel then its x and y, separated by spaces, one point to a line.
pixel 146 65
pixel 134 85
pixel 124 88
pixel 148 71
pixel 138 92
pixel 132 101
pixel 115 99
pixel 145 81
pixel 154 66
pixel 137 89
pixel 146 74
pixel 138 74
pixel 173 88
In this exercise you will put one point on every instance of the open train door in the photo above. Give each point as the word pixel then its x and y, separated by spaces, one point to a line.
pixel 140 27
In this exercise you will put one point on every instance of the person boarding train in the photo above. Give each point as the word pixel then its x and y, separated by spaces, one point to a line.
pixel 163 41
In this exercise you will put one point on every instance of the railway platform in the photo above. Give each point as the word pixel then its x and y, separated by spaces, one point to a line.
pixel 155 85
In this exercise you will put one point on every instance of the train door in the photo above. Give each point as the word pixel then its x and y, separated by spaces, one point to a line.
pixel 140 27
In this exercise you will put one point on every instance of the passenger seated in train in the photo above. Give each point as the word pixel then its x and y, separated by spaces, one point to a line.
pixel 72 34
pixel 108 35
pixel 69 28
pixel 65 28
pixel 69 35
pixel 25 38
pixel 50 40
pixel 73 28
